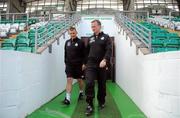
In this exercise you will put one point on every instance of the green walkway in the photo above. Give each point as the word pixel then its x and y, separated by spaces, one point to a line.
pixel 126 106
pixel 118 105
pixel 110 108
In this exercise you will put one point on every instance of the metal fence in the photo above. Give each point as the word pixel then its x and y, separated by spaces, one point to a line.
pixel 54 28
pixel 14 18
pixel 141 32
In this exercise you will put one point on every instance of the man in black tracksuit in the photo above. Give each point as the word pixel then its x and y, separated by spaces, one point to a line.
pixel 99 52
pixel 74 61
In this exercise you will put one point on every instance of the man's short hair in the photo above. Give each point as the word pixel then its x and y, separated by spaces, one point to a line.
pixel 97 21
pixel 72 28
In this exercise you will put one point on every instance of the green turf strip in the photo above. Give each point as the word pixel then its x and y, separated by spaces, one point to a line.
pixel 55 108
pixel 110 110
pixel 125 105
pixel 116 100
pixel 81 107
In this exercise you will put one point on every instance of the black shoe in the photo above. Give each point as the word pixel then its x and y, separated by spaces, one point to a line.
pixel 80 96
pixel 66 101
pixel 89 110
pixel 101 106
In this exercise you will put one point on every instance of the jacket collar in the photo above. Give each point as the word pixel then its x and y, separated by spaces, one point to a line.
pixel 74 40
pixel 99 35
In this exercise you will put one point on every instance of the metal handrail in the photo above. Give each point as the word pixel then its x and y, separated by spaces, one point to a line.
pixel 64 23
pixel 13 17
pixel 141 32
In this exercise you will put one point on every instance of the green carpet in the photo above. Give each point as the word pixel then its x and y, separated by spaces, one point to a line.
pixel 118 105
pixel 80 109
pixel 127 107
pixel 110 110
pixel 56 109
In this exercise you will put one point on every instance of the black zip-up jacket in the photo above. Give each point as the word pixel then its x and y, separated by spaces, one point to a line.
pixel 98 48
pixel 74 52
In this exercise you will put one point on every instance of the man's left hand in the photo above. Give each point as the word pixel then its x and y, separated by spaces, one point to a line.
pixel 102 63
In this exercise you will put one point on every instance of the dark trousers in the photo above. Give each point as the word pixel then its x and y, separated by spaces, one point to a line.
pixel 92 73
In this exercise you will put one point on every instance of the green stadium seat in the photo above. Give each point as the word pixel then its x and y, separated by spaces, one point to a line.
pixel 31 37
pixel 50 34
pixel 157 42
pixel 31 34
pixel 173 36
pixel 33 50
pixel 7 48
pixel 169 42
pixel 33 21
pixel 41 29
pixel 22 35
pixel 159 36
pixel 171 49
pixel 32 43
pixel 24 49
pixel 9 43
pixel 156 50
pixel 22 42
pixel 162 31
pixel 32 31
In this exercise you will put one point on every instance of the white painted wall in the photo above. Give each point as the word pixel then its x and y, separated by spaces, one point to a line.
pixel 152 81
pixel 27 80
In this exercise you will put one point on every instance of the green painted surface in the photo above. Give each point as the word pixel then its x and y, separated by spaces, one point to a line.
pixel 81 107
pixel 96 113
pixel 56 109
pixel 118 105
pixel 125 105
pixel 110 110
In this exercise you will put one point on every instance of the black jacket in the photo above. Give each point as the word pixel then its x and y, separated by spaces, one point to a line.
pixel 98 48
pixel 74 52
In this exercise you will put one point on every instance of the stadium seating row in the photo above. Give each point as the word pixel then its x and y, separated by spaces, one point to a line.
pixel 165 22
pixel 162 40
pixel 8 27
pixel 25 41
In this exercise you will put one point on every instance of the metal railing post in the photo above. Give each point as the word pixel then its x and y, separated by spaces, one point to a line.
pixel 13 18
pixel 36 39
pixel 150 41
pixel 147 15
pixel 27 19
pixel 170 13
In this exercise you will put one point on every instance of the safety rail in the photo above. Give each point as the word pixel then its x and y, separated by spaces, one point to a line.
pixel 14 18
pixel 55 28
pixel 175 13
pixel 141 32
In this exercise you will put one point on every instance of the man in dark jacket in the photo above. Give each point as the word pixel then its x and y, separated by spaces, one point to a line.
pixel 74 59
pixel 99 52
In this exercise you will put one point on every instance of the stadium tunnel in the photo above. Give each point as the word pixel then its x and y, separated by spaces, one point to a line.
pixel 143 76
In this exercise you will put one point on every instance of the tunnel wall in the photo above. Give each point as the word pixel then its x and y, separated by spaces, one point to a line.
pixel 28 80
pixel 151 81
